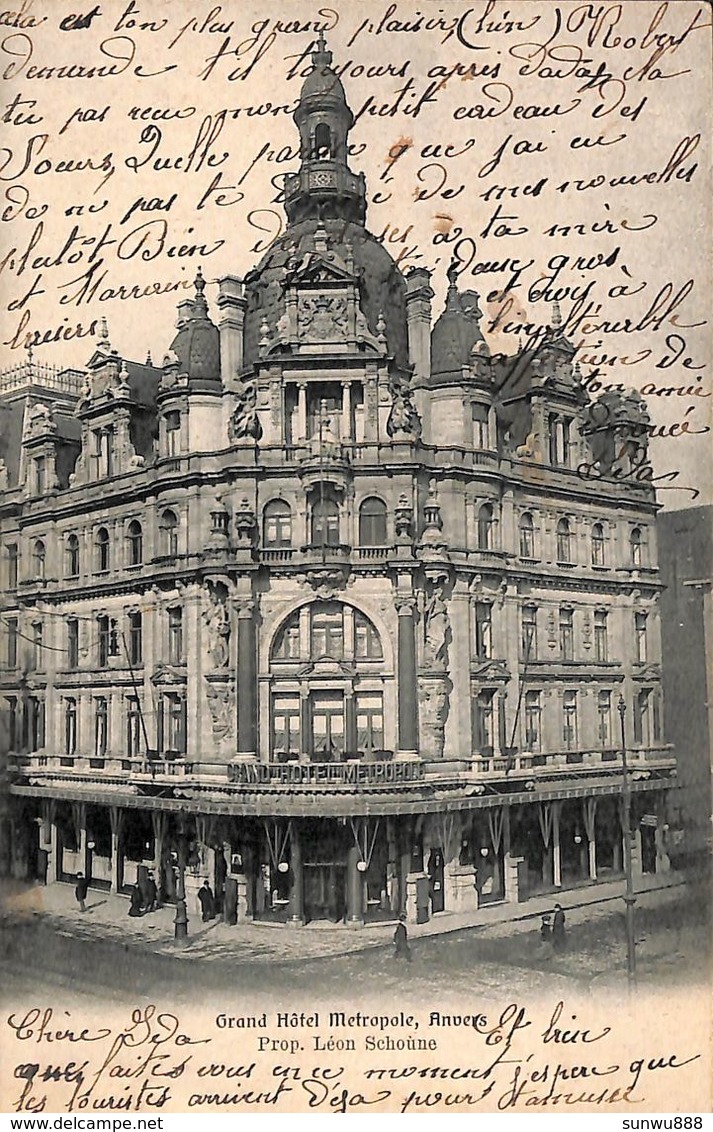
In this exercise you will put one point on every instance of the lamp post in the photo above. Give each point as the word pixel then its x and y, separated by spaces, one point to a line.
pixel 180 923
pixel 629 898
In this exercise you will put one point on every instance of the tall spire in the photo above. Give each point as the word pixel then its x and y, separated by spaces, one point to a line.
pixel 325 186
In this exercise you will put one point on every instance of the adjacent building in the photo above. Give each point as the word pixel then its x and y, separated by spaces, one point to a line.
pixel 324 607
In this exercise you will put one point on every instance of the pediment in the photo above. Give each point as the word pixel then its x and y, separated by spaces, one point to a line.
pixel 318 270
pixel 165 674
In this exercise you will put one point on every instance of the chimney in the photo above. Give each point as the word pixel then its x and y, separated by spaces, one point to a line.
pixel 231 304
pixel 418 317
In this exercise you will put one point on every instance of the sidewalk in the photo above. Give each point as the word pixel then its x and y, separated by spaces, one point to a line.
pixel 263 943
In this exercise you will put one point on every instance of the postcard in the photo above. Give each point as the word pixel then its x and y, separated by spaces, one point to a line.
pixel 356 542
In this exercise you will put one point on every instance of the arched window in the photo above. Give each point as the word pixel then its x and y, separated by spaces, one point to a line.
pixel 636 544
pixel 527 536
pixel 322 141
pixel 135 539
pixel 169 533
pixel 367 644
pixel 277 523
pixel 325 522
pixel 39 555
pixel 485 527
pixel 287 641
pixel 564 541
pixel 597 545
pixel 102 550
pixel 72 556
pixel 372 522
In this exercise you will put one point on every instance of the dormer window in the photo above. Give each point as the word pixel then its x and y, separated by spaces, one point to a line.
pixel 102 439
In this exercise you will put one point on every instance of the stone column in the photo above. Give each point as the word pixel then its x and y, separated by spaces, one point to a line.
pixel 407 687
pixel 297 911
pixel 350 724
pixel 247 679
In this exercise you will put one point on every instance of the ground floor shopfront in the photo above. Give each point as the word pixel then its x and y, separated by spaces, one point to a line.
pixel 300 867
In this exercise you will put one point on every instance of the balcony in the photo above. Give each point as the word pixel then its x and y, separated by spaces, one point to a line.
pixel 101 770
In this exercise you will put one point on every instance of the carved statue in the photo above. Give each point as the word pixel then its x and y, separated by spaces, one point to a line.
pixel 403 420
pixel 437 626
pixel 244 422
pixel 218 624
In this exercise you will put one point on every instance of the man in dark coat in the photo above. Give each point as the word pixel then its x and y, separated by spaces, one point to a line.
pixel 207 901
pixel 151 894
pixel 136 901
pixel 558 932
pixel 401 945
pixel 81 891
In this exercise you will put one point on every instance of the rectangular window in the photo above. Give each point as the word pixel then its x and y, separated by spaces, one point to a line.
pixel 175 636
pixel 604 720
pixel 656 716
pixel 12 633
pixel 567 634
pixel 12 557
pixel 533 721
pixel 601 647
pixel 370 721
pixel 13 730
pixel 481 432
pixel 528 638
pixel 285 725
pixel 133 727
pixel 70 726
pixel 104 641
pixel 483 630
pixel 484 722
pixel 641 717
pixel 73 643
pixel 136 648
pixel 640 638
pixel 175 724
pixel 37 643
pixel 327 725
pixel 569 720
pixel 328 632
pixel 173 433
pixel 101 726
pixel 40 476
pixel 102 452
pixel 36 729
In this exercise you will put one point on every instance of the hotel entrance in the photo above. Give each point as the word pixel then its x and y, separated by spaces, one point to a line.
pixel 325 891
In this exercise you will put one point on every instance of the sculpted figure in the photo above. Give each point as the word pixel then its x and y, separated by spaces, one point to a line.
pixel 218 625
pixel 244 422
pixel 437 625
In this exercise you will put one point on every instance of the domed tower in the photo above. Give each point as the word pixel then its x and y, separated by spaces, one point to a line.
pixel 325 204
pixel 190 411
pixel 325 186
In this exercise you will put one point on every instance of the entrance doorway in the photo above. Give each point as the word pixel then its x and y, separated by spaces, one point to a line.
pixel 325 891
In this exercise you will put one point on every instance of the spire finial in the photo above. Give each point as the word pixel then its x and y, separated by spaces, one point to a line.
pixel 556 314
pixel 321 56
pixel 200 306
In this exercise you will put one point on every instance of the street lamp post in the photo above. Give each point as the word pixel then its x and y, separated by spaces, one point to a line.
pixel 629 898
pixel 180 923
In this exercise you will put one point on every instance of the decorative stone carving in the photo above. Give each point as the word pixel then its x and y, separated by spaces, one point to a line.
pixel 40 422
pixel 221 703
pixel 245 522
pixel 244 422
pixel 217 620
pixel 433 698
pixel 322 318
pixel 403 518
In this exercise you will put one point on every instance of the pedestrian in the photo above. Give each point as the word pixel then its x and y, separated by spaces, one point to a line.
pixel 207 902
pixel 135 901
pixel 546 929
pixel 401 944
pixel 559 940
pixel 151 893
pixel 81 891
